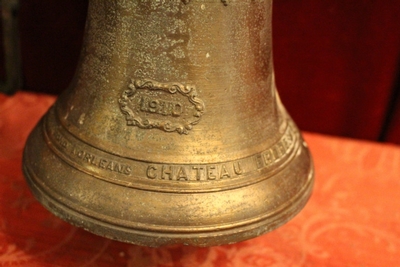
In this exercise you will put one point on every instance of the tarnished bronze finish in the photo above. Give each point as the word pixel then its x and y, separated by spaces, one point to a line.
pixel 172 130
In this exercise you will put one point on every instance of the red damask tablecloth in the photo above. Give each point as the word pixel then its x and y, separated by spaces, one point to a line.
pixel 352 219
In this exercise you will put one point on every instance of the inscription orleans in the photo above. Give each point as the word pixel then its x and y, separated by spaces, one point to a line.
pixel 276 154
pixel 89 158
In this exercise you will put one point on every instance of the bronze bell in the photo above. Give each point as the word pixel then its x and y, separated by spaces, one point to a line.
pixel 172 131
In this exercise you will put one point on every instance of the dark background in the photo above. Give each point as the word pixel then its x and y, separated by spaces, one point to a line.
pixel 336 61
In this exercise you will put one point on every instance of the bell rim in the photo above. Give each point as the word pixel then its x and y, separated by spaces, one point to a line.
pixel 153 238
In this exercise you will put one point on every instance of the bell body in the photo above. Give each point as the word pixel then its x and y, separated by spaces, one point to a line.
pixel 172 130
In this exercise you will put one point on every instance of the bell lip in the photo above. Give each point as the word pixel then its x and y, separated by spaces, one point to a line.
pixel 155 238
pixel 147 234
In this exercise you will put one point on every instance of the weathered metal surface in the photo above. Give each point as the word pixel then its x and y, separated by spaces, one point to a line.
pixel 172 130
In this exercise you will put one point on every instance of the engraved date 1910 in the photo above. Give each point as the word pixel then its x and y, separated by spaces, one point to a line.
pixel 170 106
